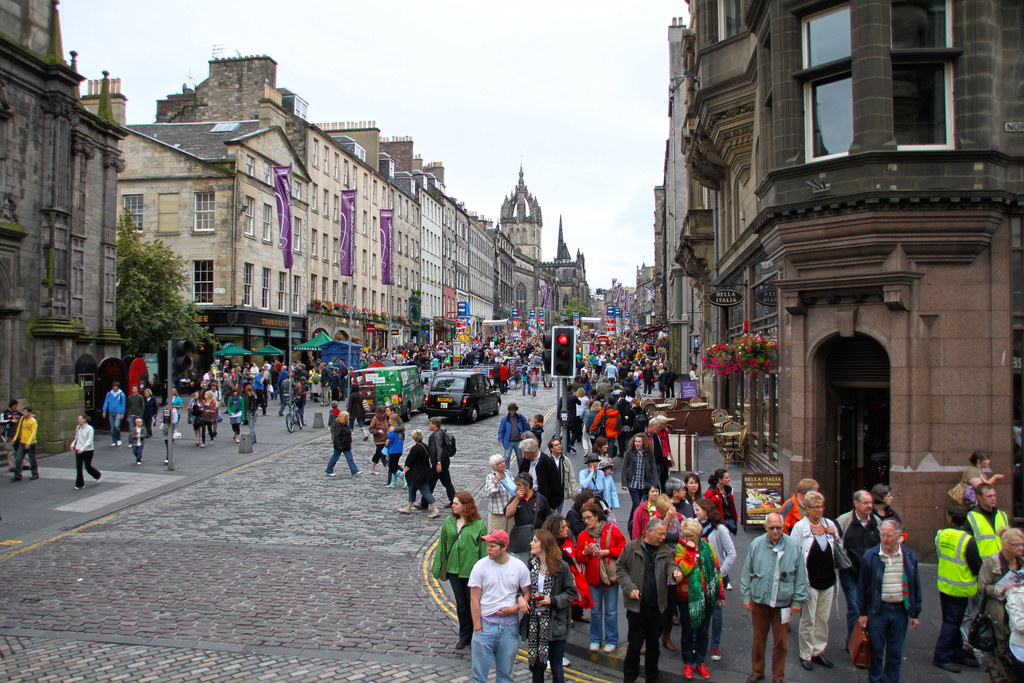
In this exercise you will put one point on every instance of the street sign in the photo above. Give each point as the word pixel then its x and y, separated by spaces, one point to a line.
pixel 769 296
pixel 725 297
pixel 463 309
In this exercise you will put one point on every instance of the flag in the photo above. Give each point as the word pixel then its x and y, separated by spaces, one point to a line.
pixel 385 246
pixel 346 254
pixel 650 294
pixel 283 194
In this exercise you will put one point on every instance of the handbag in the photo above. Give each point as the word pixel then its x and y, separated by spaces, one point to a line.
pixel 609 576
pixel 443 574
pixel 839 554
pixel 982 633
pixel 962 494
pixel 860 650
pixel 519 539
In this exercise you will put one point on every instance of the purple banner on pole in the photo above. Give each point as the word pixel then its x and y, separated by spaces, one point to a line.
pixel 283 194
pixel 346 254
pixel 385 246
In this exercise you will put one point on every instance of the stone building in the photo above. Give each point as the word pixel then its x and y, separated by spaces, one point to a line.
pixel 481 272
pixel 504 265
pixel 864 165
pixel 540 285
pixel 59 160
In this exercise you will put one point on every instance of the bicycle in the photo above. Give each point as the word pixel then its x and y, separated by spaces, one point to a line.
pixel 291 418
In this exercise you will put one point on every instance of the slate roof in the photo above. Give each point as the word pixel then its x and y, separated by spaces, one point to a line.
pixel 196 138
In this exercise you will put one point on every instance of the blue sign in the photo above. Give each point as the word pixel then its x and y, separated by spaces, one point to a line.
pixel 609 311
pixel 533 313
pixel 463 309
pixel 515 312
pixel 576 317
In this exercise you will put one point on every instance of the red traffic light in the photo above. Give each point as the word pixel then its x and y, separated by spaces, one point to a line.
pixel 562 339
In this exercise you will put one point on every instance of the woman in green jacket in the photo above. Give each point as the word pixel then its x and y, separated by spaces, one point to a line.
pixel 457 551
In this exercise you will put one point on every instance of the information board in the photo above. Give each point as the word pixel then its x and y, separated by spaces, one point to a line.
pixel 762 494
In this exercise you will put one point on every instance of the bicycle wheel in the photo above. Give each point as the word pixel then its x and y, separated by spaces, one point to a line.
pixel 512 384
pixel 289 422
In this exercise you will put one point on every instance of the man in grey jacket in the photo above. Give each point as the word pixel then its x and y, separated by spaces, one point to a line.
pixel 644 568
pixel 773 586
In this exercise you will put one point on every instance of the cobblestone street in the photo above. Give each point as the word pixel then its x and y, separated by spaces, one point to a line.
pixel 270 569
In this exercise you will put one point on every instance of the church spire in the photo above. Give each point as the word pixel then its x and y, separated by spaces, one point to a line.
pixel 562 251
pixel 521 183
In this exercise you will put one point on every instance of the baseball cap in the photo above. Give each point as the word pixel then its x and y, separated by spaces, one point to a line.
pixel 496 536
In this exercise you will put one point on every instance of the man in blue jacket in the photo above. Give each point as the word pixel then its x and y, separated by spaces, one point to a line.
pixel 889 599
pixel 510 432
pixel 113 405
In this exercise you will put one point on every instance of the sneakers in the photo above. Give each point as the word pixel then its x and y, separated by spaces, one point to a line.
pixel 703 671
pixel 728 586
pixel 138 462
pixel 609 648
pixel 716 656
pixel 594 647
pixel 100 478
pixel 331 474
pixel 118 443
pixel 79 488
pixel 688 671
pixel 356 473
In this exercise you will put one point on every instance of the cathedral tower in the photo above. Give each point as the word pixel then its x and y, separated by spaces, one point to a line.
pixel 521 220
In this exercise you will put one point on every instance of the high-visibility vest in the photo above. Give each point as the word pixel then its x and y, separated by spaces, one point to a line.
pixel 985 536
pixel 955 577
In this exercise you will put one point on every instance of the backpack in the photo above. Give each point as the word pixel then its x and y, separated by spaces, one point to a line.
pixel 449 446
pixel 597 429
pixel 640 422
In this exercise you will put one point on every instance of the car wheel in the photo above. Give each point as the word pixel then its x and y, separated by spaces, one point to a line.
pixel 407 413
pixel 497 406
pixel 474 414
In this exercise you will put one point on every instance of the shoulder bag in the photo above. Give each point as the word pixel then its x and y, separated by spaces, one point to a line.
pixel 839 554
pixel 444 565
pixel 609 577
pixel 982 633
pixel 957 493
pixel 521 535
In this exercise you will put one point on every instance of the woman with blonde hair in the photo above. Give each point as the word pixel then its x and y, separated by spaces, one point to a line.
pixel 999 663
pixel 341 435
pixel 698 594
pixel 817 537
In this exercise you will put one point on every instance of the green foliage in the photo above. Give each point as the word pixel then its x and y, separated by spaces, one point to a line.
pixel 150 305
pixel 575 306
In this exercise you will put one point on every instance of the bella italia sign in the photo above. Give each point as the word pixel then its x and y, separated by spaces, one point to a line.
pixel 725 297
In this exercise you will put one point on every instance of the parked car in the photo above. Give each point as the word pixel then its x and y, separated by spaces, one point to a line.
pixel 465 394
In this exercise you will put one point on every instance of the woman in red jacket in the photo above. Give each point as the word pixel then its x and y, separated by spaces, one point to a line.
pixel 720 493
pixel 601 543
pixel 559 528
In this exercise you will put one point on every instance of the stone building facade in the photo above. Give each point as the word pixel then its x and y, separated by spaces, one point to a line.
pixel 58 214
pixel 866 178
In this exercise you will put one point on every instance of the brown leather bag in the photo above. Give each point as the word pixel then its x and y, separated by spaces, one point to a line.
pixel 860 651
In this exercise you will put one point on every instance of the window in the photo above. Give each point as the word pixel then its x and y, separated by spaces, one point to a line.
pixel 829 93
pixel 922 79
pixel 202 281
pixel 323 288
pixel 373 234
pixel 363 271
pixel 312 287
pixel 364 224
pixel 133 204
pixel 250 216
pixel 281 280
pixel 324 254
pixel 326 196
pixel 334 244
pixel 336 217
pixel 346 173
pixel 730 18
pixel 266 172
pixel 344 293
pixel 334 290
pixel 337 163
pixel 312 242
pixel 327 170
pixel 295 294
pixel 313 206
pixel 365 183
pixel 297 191
pixel 268 217
pixel 265 297
pixel 247 285
pixel 204 211
pixel 78 279
pixel 250 165
pixel 364 297
pixel 374 190
pixel 297 235
pixel 316 153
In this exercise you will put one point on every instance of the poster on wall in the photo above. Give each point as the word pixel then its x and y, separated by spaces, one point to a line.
pixel 762 495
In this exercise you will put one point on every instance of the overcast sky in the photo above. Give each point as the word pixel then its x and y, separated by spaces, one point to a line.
pixel 575 90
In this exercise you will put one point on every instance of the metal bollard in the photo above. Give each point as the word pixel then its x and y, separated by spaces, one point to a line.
pixel 245 443
pixel 318 420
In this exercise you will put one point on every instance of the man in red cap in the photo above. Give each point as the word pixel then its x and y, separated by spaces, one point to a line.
pixel 499 591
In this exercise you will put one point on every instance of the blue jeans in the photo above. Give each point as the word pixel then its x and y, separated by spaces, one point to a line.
pixel 423 487
pixel 137 452
pixel 497 643
pixel 334 459
pixel 604 617
pixel 252 426
pixel 887 631
pixel 950 645
pixel 556 650
pixel 526 387
pixel 849 583
pixel 716 628
pixel 513 447
pixel 115 427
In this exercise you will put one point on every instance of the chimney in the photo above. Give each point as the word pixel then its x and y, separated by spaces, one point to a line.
pixel 272 113
pixel 103 97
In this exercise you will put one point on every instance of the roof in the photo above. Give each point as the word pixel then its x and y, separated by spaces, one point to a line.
pixel 196 138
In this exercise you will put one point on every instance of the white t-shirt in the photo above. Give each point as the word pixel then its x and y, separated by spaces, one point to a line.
pixel 499 584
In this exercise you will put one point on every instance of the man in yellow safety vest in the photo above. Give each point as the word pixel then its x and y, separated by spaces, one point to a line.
pixel 985 521
pixel 959 563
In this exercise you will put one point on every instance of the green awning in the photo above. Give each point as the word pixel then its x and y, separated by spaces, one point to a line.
pixel 231 350
pixel 268 350
pixel 313 344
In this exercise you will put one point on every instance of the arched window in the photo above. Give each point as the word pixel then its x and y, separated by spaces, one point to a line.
pixel 521 297
pixel 565 300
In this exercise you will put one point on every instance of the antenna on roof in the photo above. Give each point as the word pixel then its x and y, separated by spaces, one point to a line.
pixel 190 80
pixel 218 51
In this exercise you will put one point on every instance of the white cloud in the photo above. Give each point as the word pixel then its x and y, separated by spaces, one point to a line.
pixel 577 90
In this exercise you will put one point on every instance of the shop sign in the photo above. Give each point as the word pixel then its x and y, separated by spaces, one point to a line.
pixel 762 494
pixel 1013 126
pixel 725 297
pixel 688 389
pixel 769 296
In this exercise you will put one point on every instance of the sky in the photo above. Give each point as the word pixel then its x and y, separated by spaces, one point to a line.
pixel 577 92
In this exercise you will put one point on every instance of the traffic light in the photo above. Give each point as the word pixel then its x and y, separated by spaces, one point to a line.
pixel 563 351
pixel 181 351
pixel 545 354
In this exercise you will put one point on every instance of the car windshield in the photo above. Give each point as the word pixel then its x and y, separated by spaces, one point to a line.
pixel 450 383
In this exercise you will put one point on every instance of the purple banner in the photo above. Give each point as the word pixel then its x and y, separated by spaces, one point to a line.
pixel 346 254
pixel 283 194
pixel 385 246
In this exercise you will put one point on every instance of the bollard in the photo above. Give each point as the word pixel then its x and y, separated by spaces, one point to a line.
pixel 318 420
pixel 245 443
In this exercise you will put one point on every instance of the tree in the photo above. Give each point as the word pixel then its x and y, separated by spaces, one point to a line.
pixel 150 305
pixel 575 306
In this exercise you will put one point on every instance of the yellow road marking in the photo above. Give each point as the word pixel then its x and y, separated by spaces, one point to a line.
pixel 9 542
pixel 441 598
pixel 57 538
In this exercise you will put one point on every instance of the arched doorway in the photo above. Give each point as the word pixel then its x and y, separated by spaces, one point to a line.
pixel 857 409
pixel 342 335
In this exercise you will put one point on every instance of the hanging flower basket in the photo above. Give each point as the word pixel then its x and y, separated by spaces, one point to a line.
pixel 754 353
pixel 720 359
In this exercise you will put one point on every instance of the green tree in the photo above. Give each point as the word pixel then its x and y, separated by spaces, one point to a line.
pixel 150 305
pixel 575 306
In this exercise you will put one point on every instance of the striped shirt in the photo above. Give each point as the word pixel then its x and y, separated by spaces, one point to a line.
pixel 499 489
pixel 892 578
